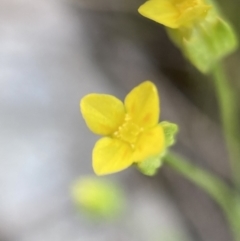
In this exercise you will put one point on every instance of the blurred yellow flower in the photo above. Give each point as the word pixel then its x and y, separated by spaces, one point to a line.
pixel 131 129
pixel 174 13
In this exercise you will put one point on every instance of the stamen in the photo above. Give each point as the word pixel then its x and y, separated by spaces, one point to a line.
pixel 128 131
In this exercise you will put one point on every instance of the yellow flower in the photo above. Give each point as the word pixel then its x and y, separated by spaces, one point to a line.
pixel 131 129
pixel 174 13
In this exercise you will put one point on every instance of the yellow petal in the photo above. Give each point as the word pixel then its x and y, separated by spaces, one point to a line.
pixel 103 113
pixel 142 105
pixel 149 143
pixel 111 155
pixel 161 11
pixel 193 14
pixel 174 13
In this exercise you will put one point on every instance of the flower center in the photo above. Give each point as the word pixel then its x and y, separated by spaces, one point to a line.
pixel 128 131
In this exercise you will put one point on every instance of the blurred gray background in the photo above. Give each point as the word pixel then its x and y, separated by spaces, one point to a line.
pixel 52 53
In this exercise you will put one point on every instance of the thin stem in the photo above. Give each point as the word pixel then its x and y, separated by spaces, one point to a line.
pixel 228 110
pixel 214 186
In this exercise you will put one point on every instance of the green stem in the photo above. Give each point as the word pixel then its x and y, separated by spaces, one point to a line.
pixel 228 109
pixel 214 186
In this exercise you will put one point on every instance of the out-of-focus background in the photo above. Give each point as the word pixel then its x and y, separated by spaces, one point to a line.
pixel 52 53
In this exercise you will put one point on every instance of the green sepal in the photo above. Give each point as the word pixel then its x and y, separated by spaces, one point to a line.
pixel 206 42
pixel 170 131
pixel 150 166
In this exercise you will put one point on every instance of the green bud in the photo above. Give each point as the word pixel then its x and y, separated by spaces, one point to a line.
pixel 97 197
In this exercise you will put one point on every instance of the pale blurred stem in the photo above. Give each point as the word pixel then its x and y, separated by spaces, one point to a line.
pixel 228 110
pixel 226 197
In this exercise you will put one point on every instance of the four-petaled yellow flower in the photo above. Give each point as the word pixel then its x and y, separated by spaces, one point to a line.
pixel 174 13
pixel 131 129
